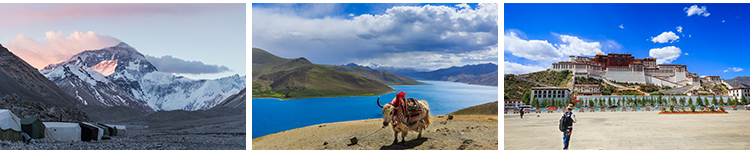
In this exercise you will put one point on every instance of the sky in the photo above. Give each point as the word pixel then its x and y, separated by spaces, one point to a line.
pixel 423 36
pixel 198 41
pixel 709 38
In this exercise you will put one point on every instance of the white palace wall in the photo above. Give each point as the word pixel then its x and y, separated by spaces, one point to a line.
pixel 625 75
pixel 659 82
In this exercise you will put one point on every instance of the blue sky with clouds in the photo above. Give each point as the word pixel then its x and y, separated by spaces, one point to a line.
pixel 709 38
pixel 425 36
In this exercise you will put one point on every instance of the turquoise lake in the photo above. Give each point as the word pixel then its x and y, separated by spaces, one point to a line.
pixel 274 115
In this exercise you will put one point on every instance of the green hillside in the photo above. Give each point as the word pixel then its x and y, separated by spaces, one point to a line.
pixel 515 88
pixel 299 78
pixel 483 109
pixel 550 77
pixel 386 78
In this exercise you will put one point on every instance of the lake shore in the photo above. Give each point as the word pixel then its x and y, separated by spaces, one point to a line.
pixel 472 132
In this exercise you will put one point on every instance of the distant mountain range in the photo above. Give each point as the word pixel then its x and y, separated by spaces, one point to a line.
pixel 386 78
pixel 740 81
pixel 133 81
pixel 482 74
pixel 274 76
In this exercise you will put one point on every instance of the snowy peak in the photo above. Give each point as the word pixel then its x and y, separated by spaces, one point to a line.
pixel 105 67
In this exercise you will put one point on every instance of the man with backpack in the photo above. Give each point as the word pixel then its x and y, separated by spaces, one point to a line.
pixel 566 125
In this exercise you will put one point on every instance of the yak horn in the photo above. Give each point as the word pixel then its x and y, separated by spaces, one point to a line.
pixel 381 106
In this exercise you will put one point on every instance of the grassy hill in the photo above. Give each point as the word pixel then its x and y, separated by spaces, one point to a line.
pixel 386 78
pixel 515 88
pixel 550 77
pixel 277 77
pixel 483 109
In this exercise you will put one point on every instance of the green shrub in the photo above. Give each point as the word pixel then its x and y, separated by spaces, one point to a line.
pixel 692 107
pixel 671 108
pixel 711 108
pixel 721 109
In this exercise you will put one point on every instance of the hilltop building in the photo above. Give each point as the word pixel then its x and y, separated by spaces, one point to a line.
pixel 625 68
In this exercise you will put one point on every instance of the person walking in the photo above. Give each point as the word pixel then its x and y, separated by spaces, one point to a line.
pixel 569 130
pixel 522 111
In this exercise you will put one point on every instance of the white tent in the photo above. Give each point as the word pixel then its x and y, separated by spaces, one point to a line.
pixel 120 129
pixel 101 131
pixel 10 126
pixel 62 131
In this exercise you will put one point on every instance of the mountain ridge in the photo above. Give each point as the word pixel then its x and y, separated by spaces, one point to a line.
pixel 140 79
pixel 277 77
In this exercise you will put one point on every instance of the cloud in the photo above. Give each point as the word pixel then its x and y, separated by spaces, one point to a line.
pixel 666 54
pixel 694 10
pixel 530 49
pixel 665 37
pixel 679 29
pixel 464 5
pixel 686 53
pixel 735 69
pixel 432 60
pixel 170 64
pixel 621 27
pixel 577 46
pixel 515 68
pixel 399 30
pixel 44 13
pixel 351 15
pixel 691 36
pixel 56 47
pixel 722 21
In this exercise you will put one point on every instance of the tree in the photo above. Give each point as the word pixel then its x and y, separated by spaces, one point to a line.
pixel 591 103
pixel 698 101
pixel 705 99
pixel 526 99
pixel 690 101
pixel 743 100
pixel 682 101
pixel 544 104
pixel 713 101
pixel 721 101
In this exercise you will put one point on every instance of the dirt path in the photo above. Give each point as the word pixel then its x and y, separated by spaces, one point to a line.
pixel 471 132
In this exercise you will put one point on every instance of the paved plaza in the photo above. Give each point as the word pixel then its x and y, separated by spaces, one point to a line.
pixel 630 131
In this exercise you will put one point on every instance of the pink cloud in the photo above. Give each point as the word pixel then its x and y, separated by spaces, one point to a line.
pixel 56 47
pixel 30 13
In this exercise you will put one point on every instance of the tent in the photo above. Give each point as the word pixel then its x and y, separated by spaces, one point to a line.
pixel 62 131
pixel 90 132
pixel 111 129
pixel 120 129
pixel 10 126
pixel 106 130
pixel 33 127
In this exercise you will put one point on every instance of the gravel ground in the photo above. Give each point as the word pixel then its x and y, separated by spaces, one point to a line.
pixel 141 138
pixel 464 132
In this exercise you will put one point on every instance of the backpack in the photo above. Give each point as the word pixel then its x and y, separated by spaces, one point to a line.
pixel 566 121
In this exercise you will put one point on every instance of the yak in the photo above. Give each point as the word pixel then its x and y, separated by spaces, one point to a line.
pixel 393 116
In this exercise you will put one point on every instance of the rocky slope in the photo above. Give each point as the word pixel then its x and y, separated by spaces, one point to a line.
pixel 27 93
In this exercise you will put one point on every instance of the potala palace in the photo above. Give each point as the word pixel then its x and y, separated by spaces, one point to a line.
pixel 626 68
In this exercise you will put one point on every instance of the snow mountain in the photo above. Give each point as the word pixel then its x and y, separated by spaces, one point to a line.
pixel 90 87
pixel 136 76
